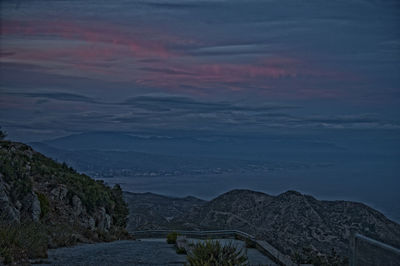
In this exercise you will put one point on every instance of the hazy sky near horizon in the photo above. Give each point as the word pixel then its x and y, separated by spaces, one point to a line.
pixel 218 66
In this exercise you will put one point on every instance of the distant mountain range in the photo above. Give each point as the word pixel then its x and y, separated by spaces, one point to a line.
pixel 243 147
pixel 103 161
pixel 292 222
pixel 153 211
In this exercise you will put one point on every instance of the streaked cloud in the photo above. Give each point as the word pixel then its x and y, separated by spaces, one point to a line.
pixel 211 65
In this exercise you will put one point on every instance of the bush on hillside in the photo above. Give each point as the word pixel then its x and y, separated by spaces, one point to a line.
pixel 3 134
pixel 44 204
pixel 20 242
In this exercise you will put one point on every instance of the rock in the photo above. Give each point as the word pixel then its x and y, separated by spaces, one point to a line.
pixel 107 222
pixel 29 153
pixel 103 220
pixel 77 205
pixel 31 206
pixel 59 193
pixel 8 212
pixel 18 205
pixel 35 208
pixel 91 223
pixel 181 243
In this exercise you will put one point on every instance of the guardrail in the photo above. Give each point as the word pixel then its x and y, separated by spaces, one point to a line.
pixel 366 251
pixel 263 246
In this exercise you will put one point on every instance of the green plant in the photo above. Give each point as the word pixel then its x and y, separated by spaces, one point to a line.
pixel 180 251
pixel 210 253
pixel 171 237
pixel 121 211
pixel 3 134
pixel 44 204
pixel 62 235
pixel 307 255
pixel 250 243
pixel 20 242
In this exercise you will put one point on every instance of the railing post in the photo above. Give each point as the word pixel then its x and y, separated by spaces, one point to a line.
pixel 353 250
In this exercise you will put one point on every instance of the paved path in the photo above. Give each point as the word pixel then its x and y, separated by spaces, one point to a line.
pixel 154 251
pixel 125 252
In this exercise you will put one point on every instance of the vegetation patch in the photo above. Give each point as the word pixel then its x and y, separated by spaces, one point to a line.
pixel 171 237
pixel 211 252
pixel 307 255
pixel 44 204
pixel 20 242
pixel 250 243
pixel 180 251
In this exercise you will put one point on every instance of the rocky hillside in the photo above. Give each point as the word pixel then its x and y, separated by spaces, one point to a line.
pixel 152 211
pixel 65 206
pixel 297 224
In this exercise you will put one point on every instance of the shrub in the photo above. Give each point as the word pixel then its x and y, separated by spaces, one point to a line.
pixel 121 211
pixel 3 134
pixel 61 235
pixel 44 204
pixel 213 253
pixel 307 255
pixel 19 242
pixel 171 237
pixel 250 243
pixel 180 251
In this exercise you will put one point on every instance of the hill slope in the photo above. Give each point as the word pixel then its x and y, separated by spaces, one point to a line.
pixel 152 211
pixel 65 205
pixel 292 221
pixel 297 224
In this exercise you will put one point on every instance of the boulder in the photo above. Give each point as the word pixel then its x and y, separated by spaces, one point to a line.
pixel 31 206
pixel 91 223
pixel 8 212
pixel 59 193
pixel 77 205
pixel 103 219
pixel 35 208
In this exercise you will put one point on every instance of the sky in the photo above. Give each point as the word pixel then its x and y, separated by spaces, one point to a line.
pixel 309 82
pixel 226 67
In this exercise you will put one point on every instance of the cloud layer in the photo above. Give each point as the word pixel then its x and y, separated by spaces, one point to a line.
pixel 215 65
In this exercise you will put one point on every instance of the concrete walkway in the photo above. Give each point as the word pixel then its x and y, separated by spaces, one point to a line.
pixel 152 251
pixel 125 252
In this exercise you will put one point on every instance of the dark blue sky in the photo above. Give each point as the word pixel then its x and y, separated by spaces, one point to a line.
pixel 215 66
pixel 315 82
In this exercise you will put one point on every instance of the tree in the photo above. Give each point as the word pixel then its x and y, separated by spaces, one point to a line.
pixel 3 134
pixel 121 210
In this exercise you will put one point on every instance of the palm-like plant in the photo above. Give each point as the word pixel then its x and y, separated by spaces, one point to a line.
pixel 213 253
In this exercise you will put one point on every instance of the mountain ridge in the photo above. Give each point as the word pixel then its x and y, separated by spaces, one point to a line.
pixel 297 224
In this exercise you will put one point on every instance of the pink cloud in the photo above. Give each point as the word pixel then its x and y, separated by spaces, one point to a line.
pixel 96 33
pixel 143 55
pixel 221 74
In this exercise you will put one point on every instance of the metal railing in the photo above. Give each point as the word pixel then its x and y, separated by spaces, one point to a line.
pixel 263 246
pixel 366 251
pixel 195 234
